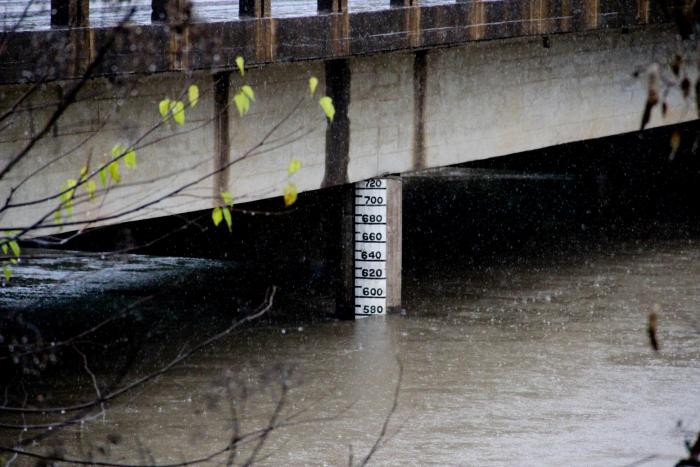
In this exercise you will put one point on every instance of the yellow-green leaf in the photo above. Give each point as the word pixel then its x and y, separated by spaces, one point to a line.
pixel 103 176
pixel 290 194
pixel 90 187
pixel 313 84
pixel 117 150
pixel 248 91
pixel 4 248
pixel 227 218
pixel 14 246
pixel 7 272
pixel 68 207
pixel 242 103
pixel 114 171
pixel 164 108
pixel 179 112
pixel 130 159
pixel 193 95
pixel 67 192
pixel 217 216
pixel 57 216
pixel 227 197
pixel 83 172
pixel 326 104
pixel 240 63
pixel 294 166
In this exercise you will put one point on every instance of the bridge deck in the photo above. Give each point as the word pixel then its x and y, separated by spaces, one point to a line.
pixel 106 13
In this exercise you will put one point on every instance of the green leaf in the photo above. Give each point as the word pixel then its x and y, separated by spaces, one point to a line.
pixel 193 95
pixel 103 176
pixel 71 184
pixel 164 108
pixel 313 84
pixel 179 112
pixel 227 217
pixel 7 272
pixel 227 197
pixel 294 166
pixel 66 192
pixel 130 159
pixel 240 63
pixel 90 187
pixel 290 194
pixel 114 171
pixel 248 91
pixel 242 103
pixel 117 150
pixel 83 172
pixel 68 207
pixel 217 216
pixel 57 219
pixel 326 104
pixel 14 246
pixel 4 248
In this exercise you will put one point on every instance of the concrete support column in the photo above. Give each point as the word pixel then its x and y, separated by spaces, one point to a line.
pixel 70 13
pixel 159 10
pixel 332 6
pixel 394 231
pixel 345 290
pixel 254 8
pixel 162 9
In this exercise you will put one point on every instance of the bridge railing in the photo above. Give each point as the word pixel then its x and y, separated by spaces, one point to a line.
pixel 76 13
pixel 274 31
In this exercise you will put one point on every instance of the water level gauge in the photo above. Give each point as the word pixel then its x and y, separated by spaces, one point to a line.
pixel 370 247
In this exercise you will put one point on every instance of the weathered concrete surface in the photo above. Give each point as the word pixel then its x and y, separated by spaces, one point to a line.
pixel 169 156
pixel 464 103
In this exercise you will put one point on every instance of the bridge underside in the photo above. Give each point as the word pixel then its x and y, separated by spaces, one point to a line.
pixel 395 113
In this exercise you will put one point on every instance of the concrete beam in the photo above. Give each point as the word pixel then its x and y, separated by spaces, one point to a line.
pixel 405 111
pixel 148 48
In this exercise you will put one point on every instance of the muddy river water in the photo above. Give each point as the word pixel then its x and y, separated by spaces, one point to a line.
pixel 540 359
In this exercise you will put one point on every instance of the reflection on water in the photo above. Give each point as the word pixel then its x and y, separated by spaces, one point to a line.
pixel 532 352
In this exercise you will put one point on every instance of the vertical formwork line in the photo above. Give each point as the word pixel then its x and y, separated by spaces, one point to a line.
pixel 222 142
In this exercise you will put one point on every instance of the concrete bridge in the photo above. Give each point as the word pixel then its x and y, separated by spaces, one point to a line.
pixel 415 85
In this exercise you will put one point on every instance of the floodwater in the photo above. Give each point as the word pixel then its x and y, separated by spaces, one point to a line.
pixel 529 356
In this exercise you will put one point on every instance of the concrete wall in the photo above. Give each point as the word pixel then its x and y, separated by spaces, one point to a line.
pixel 169 156
pixel 406 111
pixel 493 99
pixel 489 99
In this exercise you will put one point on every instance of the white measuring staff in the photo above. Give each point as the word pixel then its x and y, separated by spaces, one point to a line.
pixel 370 247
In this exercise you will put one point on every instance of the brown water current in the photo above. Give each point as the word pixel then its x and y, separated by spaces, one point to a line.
pixel 543 361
